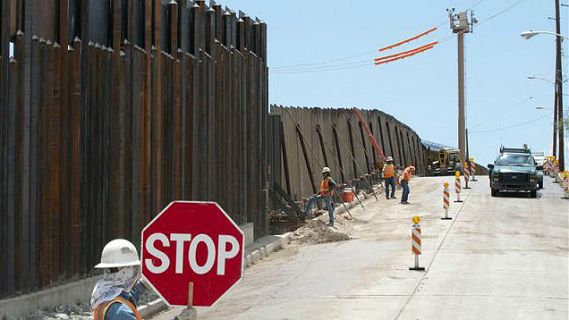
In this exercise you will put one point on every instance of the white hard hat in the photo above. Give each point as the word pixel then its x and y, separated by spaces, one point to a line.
pixel 389 159
pixel 326 170
pixel 118 253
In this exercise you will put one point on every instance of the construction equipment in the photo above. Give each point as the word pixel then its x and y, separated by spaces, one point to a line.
pixel 374 143
pixel 443 162
pixel 290 207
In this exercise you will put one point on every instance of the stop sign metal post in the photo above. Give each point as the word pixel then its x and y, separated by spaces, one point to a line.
pixel 192 253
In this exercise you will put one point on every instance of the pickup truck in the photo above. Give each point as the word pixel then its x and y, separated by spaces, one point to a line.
pixel 513 171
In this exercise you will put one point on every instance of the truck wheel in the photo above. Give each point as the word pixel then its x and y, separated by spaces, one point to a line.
pixel 533 194
pixel 541 185
pixel 494 192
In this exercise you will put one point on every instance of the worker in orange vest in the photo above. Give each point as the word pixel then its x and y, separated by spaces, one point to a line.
pixel 116 294
pixel 327 186
pixel 389 174
pixel 407 174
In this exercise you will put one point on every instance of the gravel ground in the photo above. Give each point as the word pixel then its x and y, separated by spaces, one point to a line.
pixel 316 231
pixel 78 311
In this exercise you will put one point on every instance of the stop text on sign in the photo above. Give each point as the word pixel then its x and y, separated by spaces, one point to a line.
pixel 223 248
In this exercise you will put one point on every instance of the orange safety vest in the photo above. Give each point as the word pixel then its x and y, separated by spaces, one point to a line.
pixel 389 171
pixel 325 187
pixel 101 309
pixel 407 174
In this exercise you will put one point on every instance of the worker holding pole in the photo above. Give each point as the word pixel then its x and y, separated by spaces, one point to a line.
pixel 327 186
pixel 407 174
pixel 389 178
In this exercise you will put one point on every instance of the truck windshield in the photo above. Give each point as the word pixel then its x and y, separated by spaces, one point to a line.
pixel 515 160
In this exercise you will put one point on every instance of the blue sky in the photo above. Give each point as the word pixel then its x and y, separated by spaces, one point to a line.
pixel 421 90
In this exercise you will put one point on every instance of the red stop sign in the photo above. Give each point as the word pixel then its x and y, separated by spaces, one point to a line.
pixel 193 242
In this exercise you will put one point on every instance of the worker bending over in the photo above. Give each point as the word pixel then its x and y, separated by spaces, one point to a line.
pixel 327 186
pixel 407 174
pixel 389 177
pixel 116 294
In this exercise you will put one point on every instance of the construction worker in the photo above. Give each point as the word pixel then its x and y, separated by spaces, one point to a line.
pixel 115 295
pixel 407 174
pixel 327 186
pixel 389 178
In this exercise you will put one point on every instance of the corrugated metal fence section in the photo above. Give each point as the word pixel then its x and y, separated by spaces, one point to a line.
pixel 110 109
pixel 315 137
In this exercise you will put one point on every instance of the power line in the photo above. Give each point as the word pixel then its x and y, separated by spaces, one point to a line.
pixel 510 108
pixel 365 64
pixel 296 66
pixel 331 65
pixel 512 126
pixel 353 63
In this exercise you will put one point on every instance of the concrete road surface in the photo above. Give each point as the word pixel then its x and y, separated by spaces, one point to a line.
pixel 499 258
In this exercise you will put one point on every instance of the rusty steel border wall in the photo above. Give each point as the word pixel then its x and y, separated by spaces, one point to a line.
pixel 335 138
pixel 111 109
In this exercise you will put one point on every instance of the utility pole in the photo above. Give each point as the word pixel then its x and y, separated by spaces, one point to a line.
pixel 559 89
pixel 467 148
pixel 461 23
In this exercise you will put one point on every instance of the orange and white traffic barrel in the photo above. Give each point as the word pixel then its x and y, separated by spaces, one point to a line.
pixel 566 184
pixel 466 175
pixel 457 186
pixel 549 164
pixel 472 170
pixel 416 242
pixel 446 201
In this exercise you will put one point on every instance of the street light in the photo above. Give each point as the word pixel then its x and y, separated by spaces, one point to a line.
pixel 530 34
pixel 545 79
pixel 545 108
pixel 558 113
pixel 540 78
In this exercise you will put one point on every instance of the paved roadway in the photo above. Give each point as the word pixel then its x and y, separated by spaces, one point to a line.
pixel 500 258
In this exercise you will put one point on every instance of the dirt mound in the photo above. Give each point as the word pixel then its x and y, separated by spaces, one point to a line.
pixel 316 231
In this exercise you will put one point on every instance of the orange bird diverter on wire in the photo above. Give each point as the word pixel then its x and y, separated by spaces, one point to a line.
pixel 408 53
pixel 408 40
pixel 405 54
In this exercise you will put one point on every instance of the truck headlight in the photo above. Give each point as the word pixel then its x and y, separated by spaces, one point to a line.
pixel 533 178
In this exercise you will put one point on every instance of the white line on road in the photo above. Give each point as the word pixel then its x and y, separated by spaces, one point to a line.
pixel 465 201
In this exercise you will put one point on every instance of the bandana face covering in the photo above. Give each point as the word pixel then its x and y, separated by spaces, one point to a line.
pixel 113 284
